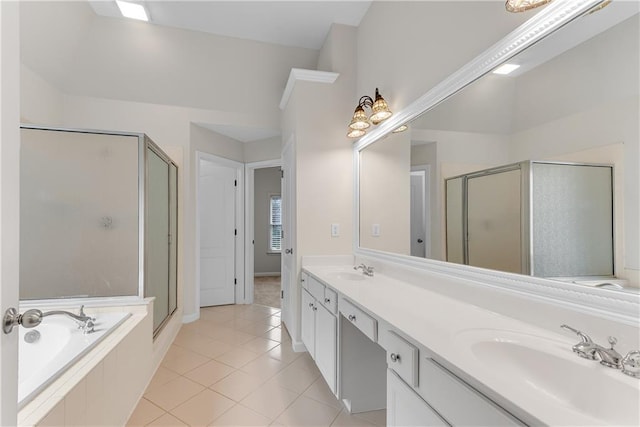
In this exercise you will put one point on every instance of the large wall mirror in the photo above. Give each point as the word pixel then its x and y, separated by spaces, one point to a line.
pixel 574 99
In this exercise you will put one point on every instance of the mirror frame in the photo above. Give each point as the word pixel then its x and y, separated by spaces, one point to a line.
pixel 614 305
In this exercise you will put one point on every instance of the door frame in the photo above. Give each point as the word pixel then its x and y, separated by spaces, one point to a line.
pixel 239 221
pixel 249 267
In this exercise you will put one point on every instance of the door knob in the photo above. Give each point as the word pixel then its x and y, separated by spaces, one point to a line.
pixel 288 251
pixel 352 317
pixel 420 240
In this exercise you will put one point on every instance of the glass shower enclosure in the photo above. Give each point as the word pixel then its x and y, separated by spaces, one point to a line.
pixel 98 218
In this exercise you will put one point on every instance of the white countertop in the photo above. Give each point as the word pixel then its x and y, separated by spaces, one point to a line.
pixel 554 394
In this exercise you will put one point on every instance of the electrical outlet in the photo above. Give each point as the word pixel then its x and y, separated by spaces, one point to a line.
pixel 335 230
pixel 375 230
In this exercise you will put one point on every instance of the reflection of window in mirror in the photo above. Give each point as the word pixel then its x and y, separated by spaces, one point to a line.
pixel 275 223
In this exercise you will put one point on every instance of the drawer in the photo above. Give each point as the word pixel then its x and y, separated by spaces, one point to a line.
pixel 330 300
pixel 315 288
pixel 367 324
pixel 447 394
pixel 403 358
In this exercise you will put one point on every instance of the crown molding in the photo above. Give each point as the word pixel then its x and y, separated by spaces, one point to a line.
pixel 300 74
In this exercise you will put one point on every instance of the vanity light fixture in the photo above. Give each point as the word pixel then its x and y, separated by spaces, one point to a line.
pixel 133 10
pixel 523 5
pixel 379 112
pixel 505 69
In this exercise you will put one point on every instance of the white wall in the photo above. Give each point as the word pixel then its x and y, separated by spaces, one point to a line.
pixel 266 184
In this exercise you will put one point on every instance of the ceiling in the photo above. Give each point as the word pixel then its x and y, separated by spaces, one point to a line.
pixel 290 23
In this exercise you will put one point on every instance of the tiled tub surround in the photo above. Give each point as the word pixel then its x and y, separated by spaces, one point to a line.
pixel 445 316
pixel 103 386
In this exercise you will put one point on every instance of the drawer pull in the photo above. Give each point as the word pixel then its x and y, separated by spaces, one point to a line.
pixel 352 317
pixel 327 300
pixel 394 357
pixel 310 304
pixel 315 308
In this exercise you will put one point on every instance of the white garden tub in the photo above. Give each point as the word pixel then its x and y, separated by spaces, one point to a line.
pixel 56 346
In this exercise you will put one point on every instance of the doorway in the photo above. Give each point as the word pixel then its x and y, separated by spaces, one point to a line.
pixel 267 236
pixel 420 219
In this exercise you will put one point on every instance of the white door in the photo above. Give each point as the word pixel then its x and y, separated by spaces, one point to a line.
pixel 288 267
pixel 418 214
pixel 9 202
pixel 217 205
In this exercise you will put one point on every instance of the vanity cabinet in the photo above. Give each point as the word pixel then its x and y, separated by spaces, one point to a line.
pixel 422 392
pixel 319 327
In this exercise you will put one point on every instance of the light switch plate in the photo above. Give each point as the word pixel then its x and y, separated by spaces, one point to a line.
pixel 335 230
pixel 375 230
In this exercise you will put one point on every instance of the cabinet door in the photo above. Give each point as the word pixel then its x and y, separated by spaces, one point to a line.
pixel 308 321
pixel 325 346
pixel 406 408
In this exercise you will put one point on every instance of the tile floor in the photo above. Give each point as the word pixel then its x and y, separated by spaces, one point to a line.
pixel 235 367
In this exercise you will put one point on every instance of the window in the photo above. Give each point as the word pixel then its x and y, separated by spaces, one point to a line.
pixel 275 223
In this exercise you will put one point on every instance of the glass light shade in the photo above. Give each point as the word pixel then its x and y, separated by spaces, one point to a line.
pixel 380 110
pixel 359 120
pixel 400 128
pixel 356 133
pixel 522 5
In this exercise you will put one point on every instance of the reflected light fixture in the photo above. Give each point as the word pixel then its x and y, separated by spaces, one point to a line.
pixel 360 122
pixel 400 128
pixel 505 69
pixel 132 10
pixel 523 5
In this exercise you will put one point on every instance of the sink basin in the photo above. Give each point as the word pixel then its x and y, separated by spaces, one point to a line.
pixel 552 371
pixel 347 275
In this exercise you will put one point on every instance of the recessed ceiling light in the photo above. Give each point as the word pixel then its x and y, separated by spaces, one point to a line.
pixel 132 10
pixel 505 69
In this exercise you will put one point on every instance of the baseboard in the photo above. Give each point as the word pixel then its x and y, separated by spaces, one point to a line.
pixel 275 273
pixel 298 346
pixel 188 318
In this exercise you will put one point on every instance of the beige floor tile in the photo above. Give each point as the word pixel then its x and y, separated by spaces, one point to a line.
pixel 283 353
pixel 256 329
pixel 167 420
pixel 320 391
pixel 305 361
pixel 260 345
pixel 308 412
pixel 203 408
pixel 144 413
pixel 202 345
pixel 276 334
pixel 173 393
pixel 273 320
pixel 264 367
pixel 162 376
pixel 241 416
pixel 378 418
pixel 181 360
pixel 216 316
pixel 237 357
pixel 237 386
pixel 209 373
pixel 238 322
pixel 234 337
pixel 344 419
pixel 294 378
pixel 269 400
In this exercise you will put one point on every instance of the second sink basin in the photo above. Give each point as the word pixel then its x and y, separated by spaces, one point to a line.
pixel 553 371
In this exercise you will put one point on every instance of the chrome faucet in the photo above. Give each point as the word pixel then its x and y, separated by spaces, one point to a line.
pixel 590 350
pixel 367 271
pixel 33 317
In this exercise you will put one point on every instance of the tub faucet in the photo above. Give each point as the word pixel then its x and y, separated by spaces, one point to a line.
pixel 367 271
pixel 32 318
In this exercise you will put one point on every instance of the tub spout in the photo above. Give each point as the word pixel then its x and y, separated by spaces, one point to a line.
pixel 32 318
